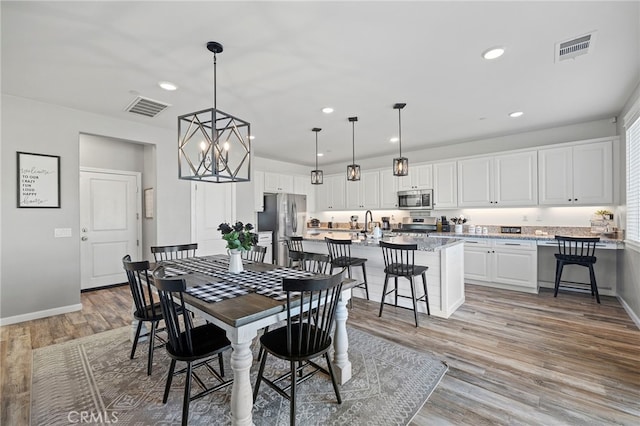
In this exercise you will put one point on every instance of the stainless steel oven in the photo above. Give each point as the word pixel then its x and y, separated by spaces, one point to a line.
pixel 419 199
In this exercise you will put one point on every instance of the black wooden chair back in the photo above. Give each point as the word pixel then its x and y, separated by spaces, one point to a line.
pixel 317 263
pixel 180 251
pixel 256 253
pixel 308 336
pixel 399 259
pixel 170 292
pixel 580 250
pixel 141 289
pixel 339 251
pixel 295 251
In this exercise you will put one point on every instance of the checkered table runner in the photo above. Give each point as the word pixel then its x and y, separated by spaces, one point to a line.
pixel 267 283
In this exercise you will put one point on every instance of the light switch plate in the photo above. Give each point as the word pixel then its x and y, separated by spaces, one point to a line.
pixel 62 232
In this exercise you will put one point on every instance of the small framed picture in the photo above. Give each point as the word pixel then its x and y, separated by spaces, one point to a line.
pixel 148 203
pixel 38 180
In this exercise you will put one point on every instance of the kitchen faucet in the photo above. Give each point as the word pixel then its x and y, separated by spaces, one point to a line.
pixel 370 216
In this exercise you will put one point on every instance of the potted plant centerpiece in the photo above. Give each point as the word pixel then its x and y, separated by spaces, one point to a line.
pixel 239 238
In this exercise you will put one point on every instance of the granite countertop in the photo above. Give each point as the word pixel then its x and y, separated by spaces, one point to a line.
pixel 424 243
pixel 530 237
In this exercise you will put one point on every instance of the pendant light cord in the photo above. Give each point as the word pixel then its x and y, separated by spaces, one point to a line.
pixel 400 131
pixel 353 142
pixel 316 150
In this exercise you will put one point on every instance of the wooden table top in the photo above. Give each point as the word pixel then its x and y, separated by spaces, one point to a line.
pixel 240 310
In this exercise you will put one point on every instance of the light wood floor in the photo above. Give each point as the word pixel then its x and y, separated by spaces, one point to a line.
pixel 513 358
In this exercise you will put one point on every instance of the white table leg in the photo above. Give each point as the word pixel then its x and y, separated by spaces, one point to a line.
pixel 241 391
pixel 341 341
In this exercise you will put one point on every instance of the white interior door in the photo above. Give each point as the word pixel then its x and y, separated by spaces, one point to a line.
pixel 109 225
pixel 212 204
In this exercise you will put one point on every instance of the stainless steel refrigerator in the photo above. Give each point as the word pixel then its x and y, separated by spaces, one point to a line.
pixel 286 216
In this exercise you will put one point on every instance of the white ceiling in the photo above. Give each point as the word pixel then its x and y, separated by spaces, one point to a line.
pixel 284 61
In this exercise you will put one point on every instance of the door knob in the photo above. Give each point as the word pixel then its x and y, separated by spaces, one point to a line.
pixel 84 238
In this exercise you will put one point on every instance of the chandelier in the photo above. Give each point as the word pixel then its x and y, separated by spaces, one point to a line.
pixel 214 146
pixel 353 169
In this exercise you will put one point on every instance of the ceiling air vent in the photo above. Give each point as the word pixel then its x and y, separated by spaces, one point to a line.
pixel 578 46
pixel 147 107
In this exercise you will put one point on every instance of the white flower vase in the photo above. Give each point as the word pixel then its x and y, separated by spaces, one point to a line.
pixel 458 229
pixel 235 261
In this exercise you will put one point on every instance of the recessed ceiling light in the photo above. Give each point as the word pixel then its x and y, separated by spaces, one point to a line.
pixel 493 53
pixel 167 85
pixel 320 154
pixel 327 110
pixel 394 140
pixel 516 114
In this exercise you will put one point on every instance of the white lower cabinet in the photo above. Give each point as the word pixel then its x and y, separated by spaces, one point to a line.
pixel 508 264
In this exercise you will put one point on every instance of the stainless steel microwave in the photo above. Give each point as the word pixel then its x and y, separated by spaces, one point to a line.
pixel 419 199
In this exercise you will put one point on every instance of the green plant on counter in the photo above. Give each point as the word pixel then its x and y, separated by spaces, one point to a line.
pixel 605 214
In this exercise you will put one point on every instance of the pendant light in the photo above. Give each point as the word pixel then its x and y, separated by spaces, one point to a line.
pixel 353 170
pixel 214 146
pixel 316 175
pixel 400 163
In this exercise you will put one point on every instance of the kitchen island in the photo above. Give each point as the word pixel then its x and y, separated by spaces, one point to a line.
pixel 444 257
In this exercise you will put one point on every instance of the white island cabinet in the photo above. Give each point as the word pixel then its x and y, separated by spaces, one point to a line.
pixel 445 276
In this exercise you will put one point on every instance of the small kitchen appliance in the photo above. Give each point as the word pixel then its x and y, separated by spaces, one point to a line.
pixel 354 222
pixel 419 199
pixel 386 224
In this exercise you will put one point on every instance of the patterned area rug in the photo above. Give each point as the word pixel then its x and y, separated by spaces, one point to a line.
pixel 92 380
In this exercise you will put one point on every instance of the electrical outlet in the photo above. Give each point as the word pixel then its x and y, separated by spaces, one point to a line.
pixel 525 218
pixel 539 219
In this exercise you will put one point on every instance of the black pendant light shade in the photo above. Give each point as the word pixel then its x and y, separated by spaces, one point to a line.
pixel 316 175
pixel 214 146
pixel 353 170
pixel 400 163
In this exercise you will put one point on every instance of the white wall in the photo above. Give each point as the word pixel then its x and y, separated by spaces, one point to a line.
pixel 40 274
pixel 628 287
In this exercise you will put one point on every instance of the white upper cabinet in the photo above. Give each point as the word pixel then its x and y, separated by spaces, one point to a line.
pixel 501 180
pixel 302 185
pixel 388 189
pixel 277 182
pixel 419 177
pixel 475 182
pixel 516 179
pixel 331 194
pixel 364 193
pixel 445 185
pixel 576 175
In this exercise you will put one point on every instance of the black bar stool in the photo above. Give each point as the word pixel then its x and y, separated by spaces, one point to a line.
pixel 576 251
pixel 340 253
pixel 399 262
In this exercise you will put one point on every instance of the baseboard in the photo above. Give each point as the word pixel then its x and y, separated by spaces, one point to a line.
pixel 630 312
pixel 40 314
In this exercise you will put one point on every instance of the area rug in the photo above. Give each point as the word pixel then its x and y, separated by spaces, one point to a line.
pixel 92 380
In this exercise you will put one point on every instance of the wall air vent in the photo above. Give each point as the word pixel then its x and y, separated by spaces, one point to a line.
pixel 575 47
pixel 147 107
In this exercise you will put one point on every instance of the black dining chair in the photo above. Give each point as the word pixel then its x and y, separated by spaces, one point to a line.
pixel 295 251
pixel 399 262
pixel 340 253
pixel 146 309
pixel 255 254
pixel 187 343
pixel 305 336
pixel 180 251
pixel 576 251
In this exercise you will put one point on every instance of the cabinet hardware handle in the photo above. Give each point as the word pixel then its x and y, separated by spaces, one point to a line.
pixel 575 199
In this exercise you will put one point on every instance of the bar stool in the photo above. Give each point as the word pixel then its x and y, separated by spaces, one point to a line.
pixel 340 253
pixel 576 251
pixel 399 262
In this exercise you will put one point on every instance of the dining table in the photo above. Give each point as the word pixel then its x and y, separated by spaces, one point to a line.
pixel 244 303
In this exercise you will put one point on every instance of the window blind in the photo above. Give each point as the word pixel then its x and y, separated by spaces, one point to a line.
pixel 633 182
